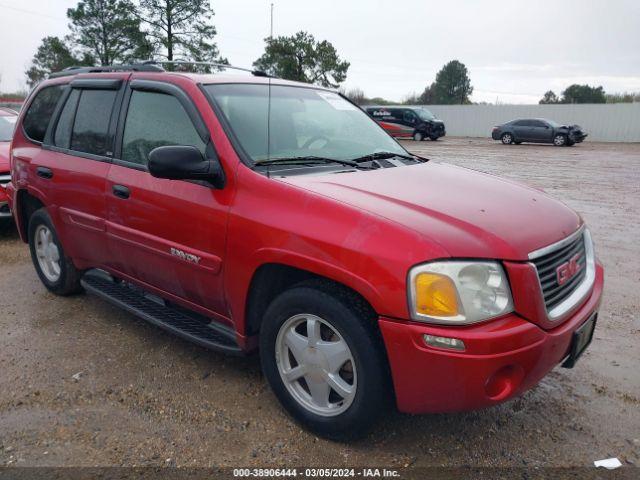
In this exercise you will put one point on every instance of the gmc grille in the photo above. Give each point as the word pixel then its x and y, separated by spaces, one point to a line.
pixel 547 267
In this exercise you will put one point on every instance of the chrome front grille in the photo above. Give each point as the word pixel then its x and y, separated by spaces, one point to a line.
pixel 566 271
pixel 4 178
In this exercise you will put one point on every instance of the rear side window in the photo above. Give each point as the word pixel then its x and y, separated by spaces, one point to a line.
pixel 90 133
pixel 36 121
pixel 155 120
pixel 62 137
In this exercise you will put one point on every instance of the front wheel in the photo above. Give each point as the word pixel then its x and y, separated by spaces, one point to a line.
pixel 560 140
pixel 55 270
pixel 324 360
pixel 507 138
pixel 418 137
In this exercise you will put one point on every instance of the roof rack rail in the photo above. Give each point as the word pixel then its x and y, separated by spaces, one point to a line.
pixel 257 73
pixel 148 66
pixel 134 67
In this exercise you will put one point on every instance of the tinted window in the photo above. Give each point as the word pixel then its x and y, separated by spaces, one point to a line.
pixel 62 136
pixel 40 111
pixel 537 123
pixel 154 120
pixel 91 126
pixel 523 123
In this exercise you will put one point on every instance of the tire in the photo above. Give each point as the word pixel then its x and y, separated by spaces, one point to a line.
pixel 55 269
pixel 418 136
pixel 507 138
pixel 342 321
pixel 433 139
pixel 560 140
pixel 570 143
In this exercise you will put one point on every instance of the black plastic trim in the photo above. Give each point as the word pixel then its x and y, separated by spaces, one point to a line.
pixel 97 83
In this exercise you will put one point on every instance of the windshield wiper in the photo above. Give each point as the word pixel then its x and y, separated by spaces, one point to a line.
pixel 381 156
pixel 306 160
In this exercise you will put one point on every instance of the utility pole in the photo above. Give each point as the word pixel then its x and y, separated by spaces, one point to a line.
pixel 271 36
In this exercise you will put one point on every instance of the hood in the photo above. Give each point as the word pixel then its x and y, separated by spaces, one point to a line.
pixel 4 156
pixel 468 213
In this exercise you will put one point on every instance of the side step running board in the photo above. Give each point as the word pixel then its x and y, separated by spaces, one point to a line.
pixel 191 326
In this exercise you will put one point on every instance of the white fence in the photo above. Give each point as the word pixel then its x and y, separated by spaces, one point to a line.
pixel 616 122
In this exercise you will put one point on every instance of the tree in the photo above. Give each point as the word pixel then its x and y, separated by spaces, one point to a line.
pixel 301 58
pixel 53 55
pixel 108 30
pixel 452 85
pixel 428 96
pixel 583 94
pixel 181 29
pixel 549 98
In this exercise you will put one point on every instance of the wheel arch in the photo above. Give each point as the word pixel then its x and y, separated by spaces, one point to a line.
pixel 272 278
pixel 27 202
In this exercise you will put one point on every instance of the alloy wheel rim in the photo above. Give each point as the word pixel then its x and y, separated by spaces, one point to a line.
pixel 47 253
pixel 506 139
pixel 559 140
pixel 316 365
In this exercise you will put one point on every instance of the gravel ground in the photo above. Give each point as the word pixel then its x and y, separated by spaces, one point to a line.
pixel 83 384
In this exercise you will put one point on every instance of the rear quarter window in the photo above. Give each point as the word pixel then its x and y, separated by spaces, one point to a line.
pixel 90 132
pixel 38 116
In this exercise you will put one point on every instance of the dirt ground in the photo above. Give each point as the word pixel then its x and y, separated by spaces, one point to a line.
pixel 83 383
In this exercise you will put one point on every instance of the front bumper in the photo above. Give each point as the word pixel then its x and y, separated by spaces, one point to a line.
pixel 502 359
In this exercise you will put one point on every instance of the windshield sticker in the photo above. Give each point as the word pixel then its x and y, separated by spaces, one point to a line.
pixel 336 101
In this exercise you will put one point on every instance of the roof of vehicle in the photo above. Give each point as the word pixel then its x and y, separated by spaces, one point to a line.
pixel 408 107
pixel 148 70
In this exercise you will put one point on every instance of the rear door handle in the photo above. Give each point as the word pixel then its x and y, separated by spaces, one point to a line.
pixel 44 172
pixel 121 191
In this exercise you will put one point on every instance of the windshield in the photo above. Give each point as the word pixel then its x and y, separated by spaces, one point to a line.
pixel 7 123
pixel 300 122
pixel 424 114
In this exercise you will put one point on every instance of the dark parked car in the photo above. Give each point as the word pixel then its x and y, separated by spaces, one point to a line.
pixel 538 130
pixel 408 122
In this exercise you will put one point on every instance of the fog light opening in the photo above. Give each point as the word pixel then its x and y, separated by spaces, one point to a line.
pixel 444 342
pixel 504 382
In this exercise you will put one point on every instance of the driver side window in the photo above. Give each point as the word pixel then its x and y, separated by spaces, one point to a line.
pixel 409 117
pixel 155 120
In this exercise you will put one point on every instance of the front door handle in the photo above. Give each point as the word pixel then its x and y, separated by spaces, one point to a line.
pixel 44 172
pixel 120 191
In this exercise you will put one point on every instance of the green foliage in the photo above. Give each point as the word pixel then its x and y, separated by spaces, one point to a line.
pixel 303 59
pixel 181 30
pixel 108 30
pixel 53 55
pixel 625 97
pixel 452 86
pixel 549 98
pixel 583 94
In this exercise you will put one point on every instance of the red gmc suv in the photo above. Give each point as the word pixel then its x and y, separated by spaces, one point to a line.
pixel 252 213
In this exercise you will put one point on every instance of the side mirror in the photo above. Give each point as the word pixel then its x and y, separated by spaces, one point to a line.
pixel 184 162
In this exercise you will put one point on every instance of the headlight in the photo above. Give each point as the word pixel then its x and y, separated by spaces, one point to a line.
pixel 456 292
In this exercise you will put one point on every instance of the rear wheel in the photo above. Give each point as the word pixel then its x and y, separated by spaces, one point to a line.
pixel 560 140
pixel 324 360
pixel 418 136
pixel 507 138
pixel 55 270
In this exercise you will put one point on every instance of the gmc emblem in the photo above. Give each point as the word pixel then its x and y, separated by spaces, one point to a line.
pixel 568 269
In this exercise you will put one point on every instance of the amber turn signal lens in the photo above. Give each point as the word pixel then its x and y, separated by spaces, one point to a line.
pixel 435 295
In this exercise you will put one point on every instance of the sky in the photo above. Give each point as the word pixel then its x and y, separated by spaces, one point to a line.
pixel 515 51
